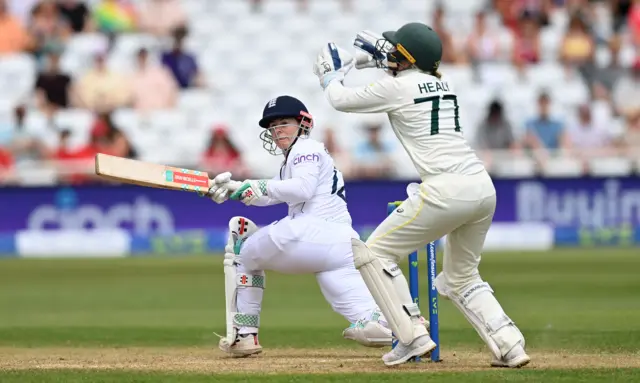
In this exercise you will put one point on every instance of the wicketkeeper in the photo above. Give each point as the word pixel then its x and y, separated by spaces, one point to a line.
pixel 457 197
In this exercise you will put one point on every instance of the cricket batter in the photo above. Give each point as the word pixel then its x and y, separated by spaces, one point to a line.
pixel 456 198
pixel 315 237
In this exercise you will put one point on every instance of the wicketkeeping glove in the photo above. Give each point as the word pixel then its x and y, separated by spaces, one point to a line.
pixel 332 63
pixel 250 190
pixel 366 42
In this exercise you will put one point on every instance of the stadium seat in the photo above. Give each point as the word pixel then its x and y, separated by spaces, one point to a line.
pixel 546 75
pixel 166 121
pixel 78 121
pixel 498 75
pixel 550 39
pixel 195 100
pixel 17 77
pixel 610 167
pixel 514 167
pixel 563 167
pixel 126 120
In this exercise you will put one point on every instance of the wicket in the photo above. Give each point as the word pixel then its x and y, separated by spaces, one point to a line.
pixel 414 287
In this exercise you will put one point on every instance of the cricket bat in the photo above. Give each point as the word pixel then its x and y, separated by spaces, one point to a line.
pixel 148 174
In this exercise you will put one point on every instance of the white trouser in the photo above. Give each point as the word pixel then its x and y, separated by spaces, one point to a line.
pixel 458 206
pixel 462 208
pixel 307 245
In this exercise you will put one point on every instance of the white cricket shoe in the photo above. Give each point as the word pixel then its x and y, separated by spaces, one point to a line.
pixel 369 333
pixel 240 228
pixel 402 354
pixel 245 345
pixel 515 358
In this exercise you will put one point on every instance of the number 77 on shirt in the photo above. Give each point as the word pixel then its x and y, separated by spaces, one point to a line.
pixel 148 174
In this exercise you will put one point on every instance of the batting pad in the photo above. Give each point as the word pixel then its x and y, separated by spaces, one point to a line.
pixel 380 282
pixel 233 280
pixel 481 308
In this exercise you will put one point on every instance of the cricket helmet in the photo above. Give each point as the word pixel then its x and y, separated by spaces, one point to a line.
pixel 283 107
pixel 417 43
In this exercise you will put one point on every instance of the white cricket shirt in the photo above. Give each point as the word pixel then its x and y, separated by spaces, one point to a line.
pixel 424 114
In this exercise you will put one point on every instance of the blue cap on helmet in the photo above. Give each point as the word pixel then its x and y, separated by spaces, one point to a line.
pixel 283 107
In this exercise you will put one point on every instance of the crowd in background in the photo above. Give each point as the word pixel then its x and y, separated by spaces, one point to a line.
pixel 607 123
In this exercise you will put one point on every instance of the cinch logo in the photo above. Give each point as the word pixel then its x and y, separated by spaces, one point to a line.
pixel 306 158
pixel 140 216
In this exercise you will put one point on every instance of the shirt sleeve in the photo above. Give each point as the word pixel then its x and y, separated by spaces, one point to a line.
pixel 302 185
pixel 378 97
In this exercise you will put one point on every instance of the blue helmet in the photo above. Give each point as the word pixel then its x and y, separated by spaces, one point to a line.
pixel 284 107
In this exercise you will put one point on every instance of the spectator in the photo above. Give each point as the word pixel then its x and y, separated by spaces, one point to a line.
pixel 626 93
pixel 511 11
pixel 340 157
pixel 21 9
pixel 48 27
pixel 526 46
pixel 6 166
pixel 578 46
pixel 303 6
pixel 107 138
pixel 543 132
pixel 15 38
pixel 620 10
pixel 589 136
pixel 101 89
pixel 256 6
pixel 182 64
pixel 449 53
pixel 483 44
pixel 608 75
pixel 495 132
pixel 221 154
pixel 74 165
pixel 24 145
pixel 372 157
pixel 153 86
pixel 76 15
pixel 631 138
pixel 633 21
pixel 161 17
pixel 52 86
pixel 115 16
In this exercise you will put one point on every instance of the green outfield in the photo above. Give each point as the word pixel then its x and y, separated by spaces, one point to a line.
pixel 153 319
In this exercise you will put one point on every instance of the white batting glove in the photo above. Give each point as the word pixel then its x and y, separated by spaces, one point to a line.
pixel 249 191
pixel 219 194
pixel 332 63
pixel 222 187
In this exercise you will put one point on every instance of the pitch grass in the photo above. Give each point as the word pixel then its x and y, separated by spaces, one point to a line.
pixel 580 301
pixel 83 376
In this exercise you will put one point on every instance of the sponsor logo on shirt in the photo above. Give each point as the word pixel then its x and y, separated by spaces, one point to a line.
pixel 304 158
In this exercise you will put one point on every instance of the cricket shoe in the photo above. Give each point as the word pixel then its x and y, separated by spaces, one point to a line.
pixel 369 333
pixel 245 345
pixel 240 228
pixel 515 358
pixel 402 354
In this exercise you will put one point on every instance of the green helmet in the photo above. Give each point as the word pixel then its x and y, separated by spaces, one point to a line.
pixel 419 44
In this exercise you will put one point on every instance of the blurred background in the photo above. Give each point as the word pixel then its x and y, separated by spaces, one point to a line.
pixel 549 93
